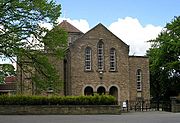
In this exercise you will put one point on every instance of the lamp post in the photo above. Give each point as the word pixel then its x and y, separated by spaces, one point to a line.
pixel 101 75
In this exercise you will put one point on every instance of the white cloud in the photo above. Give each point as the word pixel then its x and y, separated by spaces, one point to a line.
pixel 128 29
pixel 134 34
pixel 46 25
pixel 81 24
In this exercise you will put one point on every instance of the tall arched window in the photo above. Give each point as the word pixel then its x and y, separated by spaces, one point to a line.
pixel 112 59
pixel 88 58
pixel 139 80
pixel 100 55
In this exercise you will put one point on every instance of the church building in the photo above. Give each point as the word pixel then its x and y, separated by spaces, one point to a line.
pixel 98 62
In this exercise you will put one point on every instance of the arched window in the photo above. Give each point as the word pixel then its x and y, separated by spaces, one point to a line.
pixel 112 59
pixel 139 80
pixel 100 56
pixel 88 59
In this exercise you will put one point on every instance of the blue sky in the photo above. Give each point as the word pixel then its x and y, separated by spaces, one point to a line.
pixel 133 21
pixel 156 12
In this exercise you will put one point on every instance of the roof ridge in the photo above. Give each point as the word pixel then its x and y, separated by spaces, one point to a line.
pixel 69 27
pixel 100 24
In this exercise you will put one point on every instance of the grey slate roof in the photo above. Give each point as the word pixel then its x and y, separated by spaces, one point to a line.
pixel 69 27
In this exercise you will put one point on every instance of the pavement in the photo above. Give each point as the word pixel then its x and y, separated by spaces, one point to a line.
pixel 132 117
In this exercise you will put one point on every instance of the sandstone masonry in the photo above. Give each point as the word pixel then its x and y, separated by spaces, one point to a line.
pixel 99 62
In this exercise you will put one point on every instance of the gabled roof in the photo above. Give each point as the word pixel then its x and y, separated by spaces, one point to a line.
pixel 69 27
pixel 10 79
pixel 101 25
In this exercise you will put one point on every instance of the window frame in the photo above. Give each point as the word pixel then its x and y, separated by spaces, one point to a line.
pixel 88 59
pixel 139 80
pixel 112 60
pixel 100 55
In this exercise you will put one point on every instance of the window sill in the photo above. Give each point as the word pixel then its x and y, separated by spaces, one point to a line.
pixel 113 71
pixel 100 71
pixel 88 71
pixel 139 90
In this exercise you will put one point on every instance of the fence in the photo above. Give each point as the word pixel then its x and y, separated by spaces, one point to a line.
pixel 146 105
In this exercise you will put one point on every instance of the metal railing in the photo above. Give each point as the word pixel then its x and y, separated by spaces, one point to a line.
pixel 146 105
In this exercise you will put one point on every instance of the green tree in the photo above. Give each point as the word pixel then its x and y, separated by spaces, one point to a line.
pixel 164 57
pixel 23 36
pixel 6 70
pixel 2 76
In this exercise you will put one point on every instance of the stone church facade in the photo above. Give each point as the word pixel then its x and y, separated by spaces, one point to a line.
pixel 99 62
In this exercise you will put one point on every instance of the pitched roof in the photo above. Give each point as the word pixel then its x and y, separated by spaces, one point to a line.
pixel 69 27
pixel 10 79
pixel 105 28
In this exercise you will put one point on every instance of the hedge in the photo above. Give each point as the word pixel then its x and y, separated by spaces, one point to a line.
pixel 57 100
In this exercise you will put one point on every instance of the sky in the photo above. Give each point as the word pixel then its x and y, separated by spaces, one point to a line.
pixel 133 21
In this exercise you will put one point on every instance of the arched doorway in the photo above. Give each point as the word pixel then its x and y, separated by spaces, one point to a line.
pixel 101 90
pixel 88 91
pixel 114 92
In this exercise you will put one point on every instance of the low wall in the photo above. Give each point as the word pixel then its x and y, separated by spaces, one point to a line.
pixel 176 108
pixel 59 109
pixel 175 105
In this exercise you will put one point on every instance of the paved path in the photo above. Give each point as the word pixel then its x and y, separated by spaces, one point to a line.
pixel 137 117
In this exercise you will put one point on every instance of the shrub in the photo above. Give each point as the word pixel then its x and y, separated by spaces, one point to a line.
pixel 57 100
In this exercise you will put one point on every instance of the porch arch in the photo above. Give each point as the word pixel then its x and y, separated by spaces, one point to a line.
pixel 114 91
pixel 101 90
pixel 88 90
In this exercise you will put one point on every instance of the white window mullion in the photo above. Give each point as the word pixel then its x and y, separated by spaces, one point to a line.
pixel 139 80
pixel 100 56
pixel 112 59
pixel 88 58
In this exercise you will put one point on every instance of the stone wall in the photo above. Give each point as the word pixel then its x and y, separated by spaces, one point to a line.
pixel 26 86
pixel 175 105
pixel 81 78
pixel 120 83
pixel 142 63
pixel 59 109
